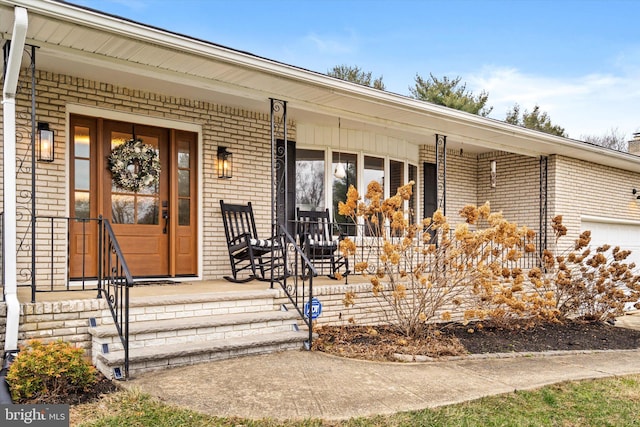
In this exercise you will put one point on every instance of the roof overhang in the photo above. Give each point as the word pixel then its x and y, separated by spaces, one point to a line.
pixel 90 44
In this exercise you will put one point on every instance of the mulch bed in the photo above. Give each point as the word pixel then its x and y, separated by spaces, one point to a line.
pixel 101 387
pixel 550 336
pixel 382 343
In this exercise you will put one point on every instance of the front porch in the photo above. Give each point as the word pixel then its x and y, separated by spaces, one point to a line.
pixel 178 324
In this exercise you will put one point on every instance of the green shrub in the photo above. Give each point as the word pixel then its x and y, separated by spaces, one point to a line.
pixel 47 372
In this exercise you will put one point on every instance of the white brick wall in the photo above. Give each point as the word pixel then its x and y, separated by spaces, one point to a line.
pixel 583 188
pixel 246 134
pixel 50 321
pixel 462 171
pixel 517 191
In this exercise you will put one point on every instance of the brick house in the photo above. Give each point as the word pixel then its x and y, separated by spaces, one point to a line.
pixel 96 79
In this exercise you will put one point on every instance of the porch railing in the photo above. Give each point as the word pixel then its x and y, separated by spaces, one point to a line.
pixel 114 281
pixel 50 231
pixel 98 261
pixel 296 279
pixel 369 247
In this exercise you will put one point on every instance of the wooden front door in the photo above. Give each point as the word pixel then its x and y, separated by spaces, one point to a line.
pixel 138 219
pixel 155 226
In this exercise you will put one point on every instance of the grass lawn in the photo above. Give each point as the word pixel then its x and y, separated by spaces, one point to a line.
pixel 606 402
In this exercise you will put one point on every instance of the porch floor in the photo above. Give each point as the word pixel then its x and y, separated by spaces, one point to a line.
pixel 186 287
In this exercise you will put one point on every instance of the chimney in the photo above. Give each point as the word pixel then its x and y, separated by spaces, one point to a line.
pixel 634 144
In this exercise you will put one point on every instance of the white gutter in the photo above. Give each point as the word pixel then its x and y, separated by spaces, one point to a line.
pixel 12 73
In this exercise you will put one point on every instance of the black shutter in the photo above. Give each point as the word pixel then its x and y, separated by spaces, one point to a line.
pixel 430 190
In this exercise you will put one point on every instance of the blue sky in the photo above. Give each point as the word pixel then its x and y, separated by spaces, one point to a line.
pixel 578 60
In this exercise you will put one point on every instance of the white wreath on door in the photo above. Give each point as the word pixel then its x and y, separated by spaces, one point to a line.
pixel 134 165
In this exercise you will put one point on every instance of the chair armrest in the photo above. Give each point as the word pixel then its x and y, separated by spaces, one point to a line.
pixel 239 240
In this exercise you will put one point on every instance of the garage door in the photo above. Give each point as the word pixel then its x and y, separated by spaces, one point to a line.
pixel 615 233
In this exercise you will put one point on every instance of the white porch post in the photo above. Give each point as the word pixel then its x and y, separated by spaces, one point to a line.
pixel 12 74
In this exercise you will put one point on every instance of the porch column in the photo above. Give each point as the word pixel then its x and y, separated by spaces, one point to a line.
pixel 441 172
pixel 544 180
pixel 279 162
pixel 12 74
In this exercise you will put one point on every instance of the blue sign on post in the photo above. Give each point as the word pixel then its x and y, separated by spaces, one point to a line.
pixel 316 309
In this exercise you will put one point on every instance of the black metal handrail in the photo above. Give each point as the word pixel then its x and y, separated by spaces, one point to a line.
pixel 110 277
pixel 114 281
pixel 297 278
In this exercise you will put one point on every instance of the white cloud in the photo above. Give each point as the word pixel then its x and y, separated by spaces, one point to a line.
pixel 332 44
pixel 590 104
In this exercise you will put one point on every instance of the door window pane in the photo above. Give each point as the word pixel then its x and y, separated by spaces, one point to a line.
pixel 82 177
pixel 184 182
pixel 147 208
pixel 118 138
pixel 310 180
pixel 184 212
pixel 81 141
pixel 183 155
pixel 81 209
pixel 128 207
pixel 81 184
pixel 122 209
pixel 184 187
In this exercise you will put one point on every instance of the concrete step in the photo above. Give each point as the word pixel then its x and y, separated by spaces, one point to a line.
pixel 164 307
pixel 153 358
pixel 155 300
pixel 184 330
pixel 175 330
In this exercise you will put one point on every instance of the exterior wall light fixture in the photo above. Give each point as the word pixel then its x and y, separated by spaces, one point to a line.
pixel 45 143
pixel 225 163
pixel 493 174
pixel 339 172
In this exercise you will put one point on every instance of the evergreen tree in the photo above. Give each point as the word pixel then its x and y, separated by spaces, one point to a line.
pixel 450 93
pixel 536 120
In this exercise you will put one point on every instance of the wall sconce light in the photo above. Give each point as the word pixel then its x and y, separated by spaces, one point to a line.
pixel 493 174
pixel 636 193
pixel 225 163
pixel 339 172
pixel 45 143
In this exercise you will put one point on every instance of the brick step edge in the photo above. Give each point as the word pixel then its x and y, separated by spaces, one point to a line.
pixel 154 353
pixel 150 301
pixel 187 323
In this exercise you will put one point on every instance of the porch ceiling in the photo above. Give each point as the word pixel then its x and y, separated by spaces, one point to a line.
pixel 109 49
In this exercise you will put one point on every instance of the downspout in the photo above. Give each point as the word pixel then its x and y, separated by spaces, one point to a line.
pixel 12 73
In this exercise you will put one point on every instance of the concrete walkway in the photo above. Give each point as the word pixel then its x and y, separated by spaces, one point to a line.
pixel 299 385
